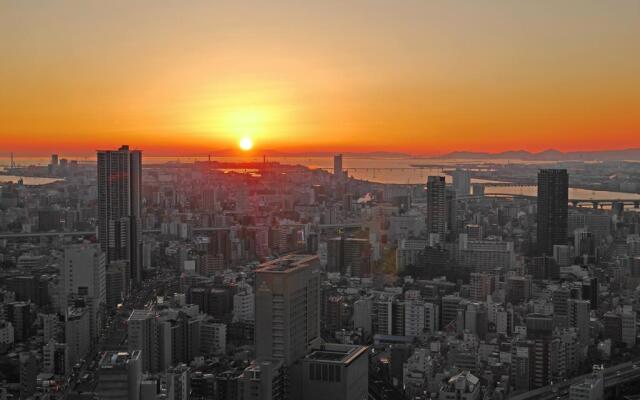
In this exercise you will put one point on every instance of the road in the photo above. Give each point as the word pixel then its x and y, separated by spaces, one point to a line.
pixel 614 375
pixel 114 335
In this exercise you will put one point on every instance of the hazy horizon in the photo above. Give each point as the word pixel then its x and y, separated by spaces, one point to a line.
pixel 417 77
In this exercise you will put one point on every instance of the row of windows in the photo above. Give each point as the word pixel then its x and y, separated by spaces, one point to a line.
pixel 324 372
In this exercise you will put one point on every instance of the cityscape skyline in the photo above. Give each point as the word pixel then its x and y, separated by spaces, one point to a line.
pixel 344 200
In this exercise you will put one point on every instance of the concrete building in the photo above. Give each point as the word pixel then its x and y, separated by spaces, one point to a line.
pixel 213 338
pixel 461 182
pixel 335 371
pixel 119 376
pixel 407 253
pixel 6 333
pixel 578 313
pixel 484 255
pixel 482 285
pixel 116 283
pixel 265 380
pixel 178 382
pixel 338 173
pixel 119 207
pixel 287 308
pixel 28 373
pixel 143 336
pixel 436 207
pixel 83 271
pixel 244 304
pixel 55 359
pixel 628 326
pixel 553 200
pixel 463 386
pixel 362 309
pixel 349 256
pixel 76 328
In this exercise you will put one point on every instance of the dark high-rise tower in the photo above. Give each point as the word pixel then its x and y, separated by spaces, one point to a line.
pixel 119 203
pixel 337 167
pixel 436 207
pixel 553 199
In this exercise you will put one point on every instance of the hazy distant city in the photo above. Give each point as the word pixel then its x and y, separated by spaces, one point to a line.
pixel 229 279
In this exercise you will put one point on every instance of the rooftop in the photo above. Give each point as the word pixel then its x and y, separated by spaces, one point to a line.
pixel 336 353
pixel 288 263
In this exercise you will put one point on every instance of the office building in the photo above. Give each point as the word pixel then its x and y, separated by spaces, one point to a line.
pixel 76 329
pixel 142 335
pixel 116 283
pixel 7 335
pixel 18 313
pixel 264 380
pixel 461 182
pixel 287 319
pixel 244 304
pixel 436 207
pixel 362 315
pixel 178 382
pixel 628 327
pixel 119 207
pixel 55 359
pixel 553 199
pixel 119 376
pixel 482 285
pixel 335 371
pixel 484 255
pixel 408 253
pixel 578 313
pixel 518 288
pixel 83 272
pixel 338 173
pixel 350 256
pixel 28 373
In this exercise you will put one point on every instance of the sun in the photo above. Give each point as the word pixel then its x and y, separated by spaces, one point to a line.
pixel 246 143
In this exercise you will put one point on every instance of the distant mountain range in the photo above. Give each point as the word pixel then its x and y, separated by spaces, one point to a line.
pixel 550 155
pixel 547 155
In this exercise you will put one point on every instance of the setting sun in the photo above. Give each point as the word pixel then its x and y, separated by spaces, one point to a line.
pixel 246 143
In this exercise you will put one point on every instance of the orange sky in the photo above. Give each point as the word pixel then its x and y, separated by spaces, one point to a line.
pixel 415 76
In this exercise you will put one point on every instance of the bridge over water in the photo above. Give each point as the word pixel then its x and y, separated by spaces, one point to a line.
pixel 575 202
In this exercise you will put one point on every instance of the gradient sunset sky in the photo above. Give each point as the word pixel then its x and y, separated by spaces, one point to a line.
pixel 419 76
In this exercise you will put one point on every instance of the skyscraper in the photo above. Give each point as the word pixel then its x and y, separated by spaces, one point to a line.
pixel 119 202
pixel 287 308
pixel 337 167
pixel 436 207
pixel 553 199
pixel 461 182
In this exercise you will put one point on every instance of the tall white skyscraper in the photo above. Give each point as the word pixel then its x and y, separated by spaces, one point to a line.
pixel 119 202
